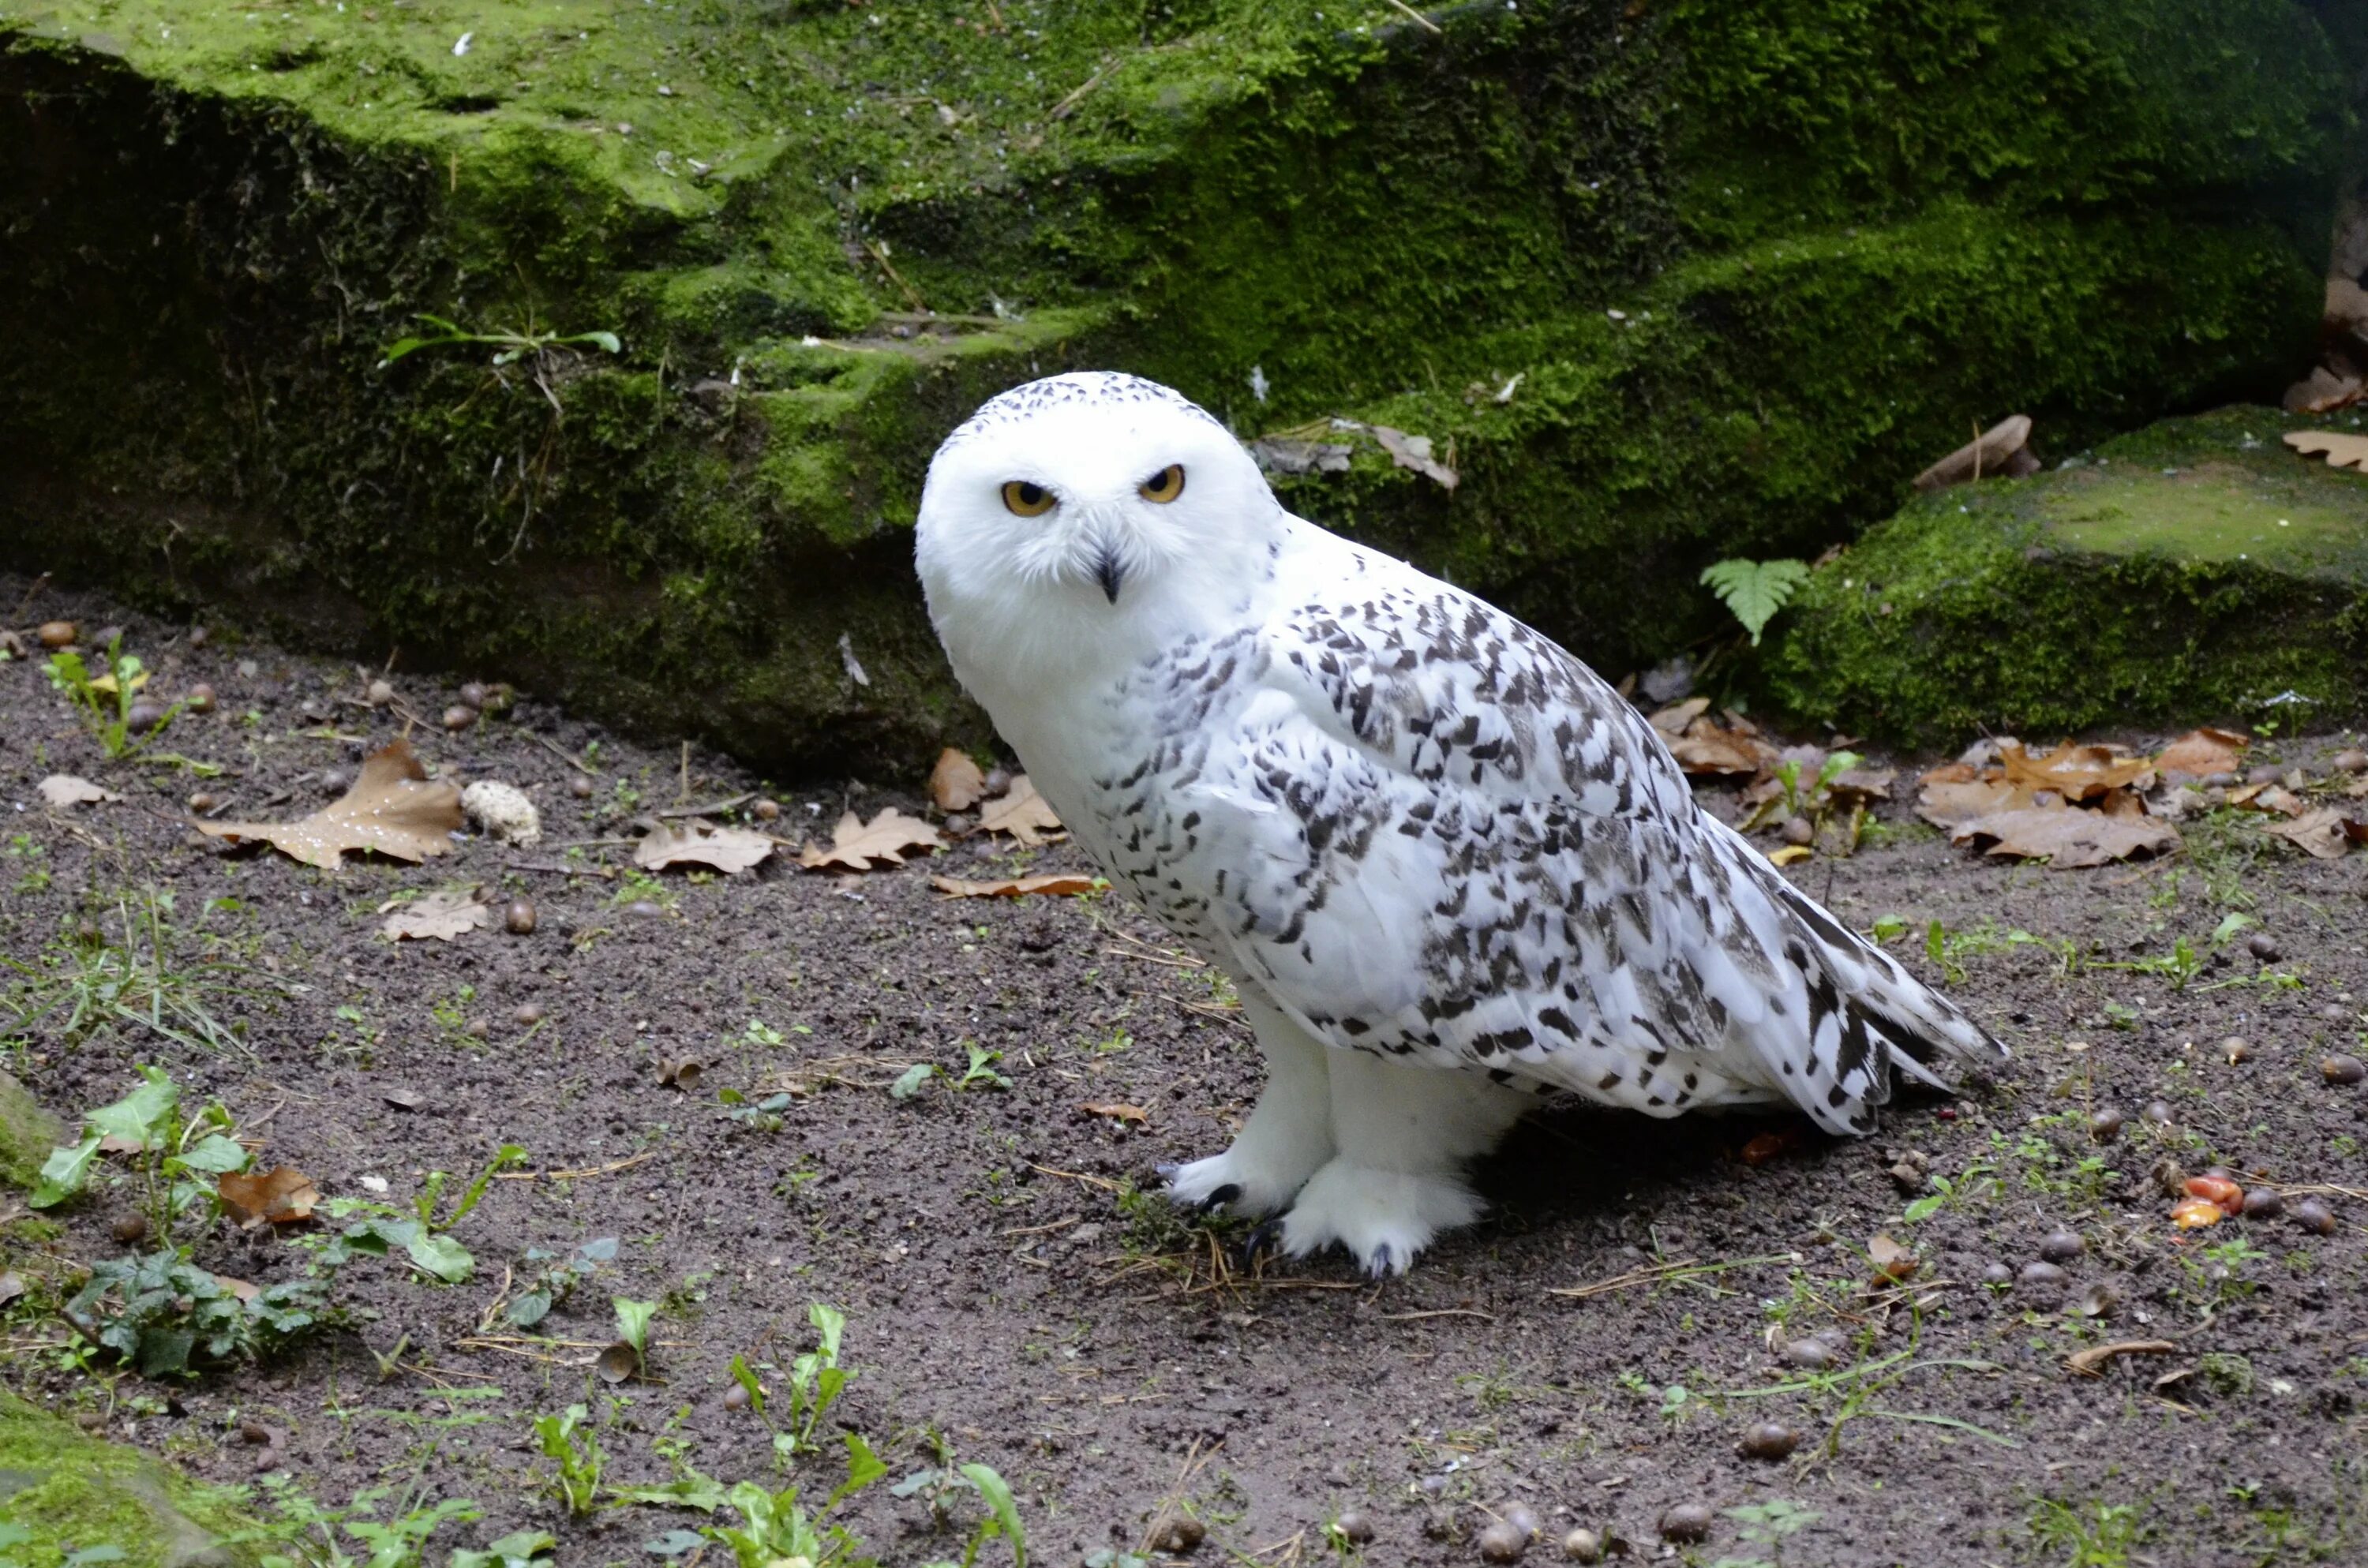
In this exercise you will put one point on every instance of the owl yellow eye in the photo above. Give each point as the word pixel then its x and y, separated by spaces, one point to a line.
pixel 1165 486
pixel 1026 500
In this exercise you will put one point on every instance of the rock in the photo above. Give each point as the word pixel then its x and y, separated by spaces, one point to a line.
pixel 503 812
pixel 27 1133
pixel 1687 1523
pixel 2041 1278
pixel 1768 1440
pixel 1501 1542
pixel 69 1490
pixel 2062 1247
pixel 2343 1070
pixel 773 502
pixel 1583 1545
pixel 1177 1532
pixel 2257 550
pixel 1354 1527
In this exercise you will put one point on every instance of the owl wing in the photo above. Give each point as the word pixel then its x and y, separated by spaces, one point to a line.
pixel 1429 831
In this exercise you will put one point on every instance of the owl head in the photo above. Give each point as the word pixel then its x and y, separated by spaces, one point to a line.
pixel 1086 515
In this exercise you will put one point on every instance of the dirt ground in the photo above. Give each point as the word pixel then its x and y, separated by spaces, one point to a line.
pixel 1017 1294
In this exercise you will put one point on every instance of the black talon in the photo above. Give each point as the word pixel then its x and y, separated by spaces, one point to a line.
pixel 1381 1265
pixel 1219 1197
pixel 1265 1236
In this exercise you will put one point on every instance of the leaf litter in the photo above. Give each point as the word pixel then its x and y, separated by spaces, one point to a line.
pixel 859 846
pixel 63 792
pixel 957 783
pixel 694 843
pixel 280 1196
pixel 1023 813
pixel 393 809
pixel 438 916
pixel 1055 883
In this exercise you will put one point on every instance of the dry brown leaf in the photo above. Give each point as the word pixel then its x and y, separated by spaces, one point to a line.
pixel 1673 720
pixel 2086 1362
pixel 1948 803
pixel 63 790
pixel 1414 452
pixel 857 846
pixel 1708 747
pixel 391 809
pixel 957 783
pixel 2069 839
pixel 1134 1113
pixel 1057 883
pixel 243 1290
pixel 1022 812
pixel 1990 455
pixel 2075 772
pixel 2274 798
pixel 2201 753
pixel 1951 773
pixel 2341 451
pixel 2121 803
pixel 696 842
pixel 1892 1261
pixel 281 1196
pixel 439 916
pixel 2326 833
pixel 1859 786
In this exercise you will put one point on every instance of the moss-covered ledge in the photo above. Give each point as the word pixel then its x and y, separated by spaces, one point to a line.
pixel 2194 570
pixel 1664 284
pixel 69 1491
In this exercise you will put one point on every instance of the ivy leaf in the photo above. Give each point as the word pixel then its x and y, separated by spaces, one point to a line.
pixel 1755 590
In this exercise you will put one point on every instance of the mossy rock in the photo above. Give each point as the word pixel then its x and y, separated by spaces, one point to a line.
pixel 2197 570
pixel 67 1491
pixel 1751 261
pixel 27 1133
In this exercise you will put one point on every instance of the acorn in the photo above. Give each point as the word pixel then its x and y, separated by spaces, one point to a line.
pixel 57 635
pixel 517 917
pixel 200 699
pixel 459 717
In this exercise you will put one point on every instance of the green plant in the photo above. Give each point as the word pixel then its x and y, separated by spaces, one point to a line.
pixel 1979 1177
pixel 86 982
pixel 2100 1535
pixel 1768 1524
pixel 176 1159
pixel 1755 590
pixel 104 701
pixel 164 1316
pixel 519 1549
pixel 513 346
pixel 633 1325
pixel 568 1441
pixel 816 1380
pixel 979 1075
pixel 946 1479
pixel 308 1534
pixel 555 1277
pixel 424 1235
pixel 774 1528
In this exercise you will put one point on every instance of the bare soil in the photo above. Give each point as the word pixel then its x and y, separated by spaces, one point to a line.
pixel 1015 1290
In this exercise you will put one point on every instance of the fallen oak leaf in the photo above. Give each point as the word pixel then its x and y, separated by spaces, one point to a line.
pixel 727 849
pixel 1414 452
pixel 281 1196
pixel 2341 450
pixel 2067 839
pixel 1892 1261
pixel 957 783
pixel 1022 812
pixel 438 916
pixel 858 845
pixel 1951 803
pixel 2324 833
pixel 393 809
pixel 2201 753
pixel 1115 1110
pixel 1673 720
pixel 2076 772
pixel 64 791
pixel 1056 883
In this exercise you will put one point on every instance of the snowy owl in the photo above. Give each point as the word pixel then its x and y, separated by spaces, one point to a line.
pixel 1444 865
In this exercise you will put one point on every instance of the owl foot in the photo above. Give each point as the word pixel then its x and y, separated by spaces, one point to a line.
pixel 1383 1218
pixel 1237 1181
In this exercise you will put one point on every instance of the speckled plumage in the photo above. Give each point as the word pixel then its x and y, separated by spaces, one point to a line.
pixel 1412 830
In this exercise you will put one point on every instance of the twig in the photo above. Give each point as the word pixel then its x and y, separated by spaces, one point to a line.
pixel 684 792
pixel 31 594
pixel 576 1175
pixel 1663 1274
pixel 1418 18
pixel 1439 1313
pixel 1103 1182
pixel 597 844
pixel 711 807
pixel 557 870
pixel 912 295
pixel 561 753
pixel 2086 1362
pixel 1193 1460
pixel 1068 105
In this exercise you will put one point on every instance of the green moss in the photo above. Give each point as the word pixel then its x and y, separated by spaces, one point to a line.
pixel 1835 234
pixel 2194 571
pixel 27 1133
pixel 72 1492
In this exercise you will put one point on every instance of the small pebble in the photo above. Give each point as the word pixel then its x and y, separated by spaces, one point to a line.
pixel 1800 831
pixel 2235 1049
pixel 526 1015
pixel 57 635
pixel 767 811
pixel 1522 1518
pixel 131 1230
pixel 580 786
pixel 253 1432
pixel 335 782
pixel 2263 946
pixel 382 692
pixel 1354 1527
pixel 2352 760
pixel 1769 1440
pixel 2264 773
pixel 144 715
pixel 1177 1532
pixel 2314 1217
pixel 203 802
pixel 642 909
pixel 2106 1124
pixel 1810 1355
pixel 474 695
pixel 518 917
pixel 1501 1542
pixel 2159 1113
pixel 1687 1522
pixel 477 1028
pixel 2263 1204
pixel 458 717
pixel 2041 1276
pixel 736 1398
pixel 2342 1070
pixel 1998 1274
pixel 2062 1247
pixel 200 699
pixel 1583 1545
pixel 200 636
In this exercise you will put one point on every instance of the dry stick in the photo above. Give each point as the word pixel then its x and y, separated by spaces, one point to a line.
pixel 576 1175
pixel 1192 1461
pixel 31 594
pixel 561 753
pixel 554 869
pixel 1103 1182
pixel 911 294
pixel 1068 106
pixel 2086 1362
pixel 711 807
pixel 1420 20
pixel 1439 1313
pixel 684 792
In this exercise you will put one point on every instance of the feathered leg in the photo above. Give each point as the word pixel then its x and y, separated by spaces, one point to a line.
pixel 1288 1136
pixel 1405 1136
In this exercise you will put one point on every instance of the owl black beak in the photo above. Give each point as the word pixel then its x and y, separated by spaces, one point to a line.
pixel 1107 573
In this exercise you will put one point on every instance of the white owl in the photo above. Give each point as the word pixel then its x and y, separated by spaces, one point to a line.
pixel 1444 865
